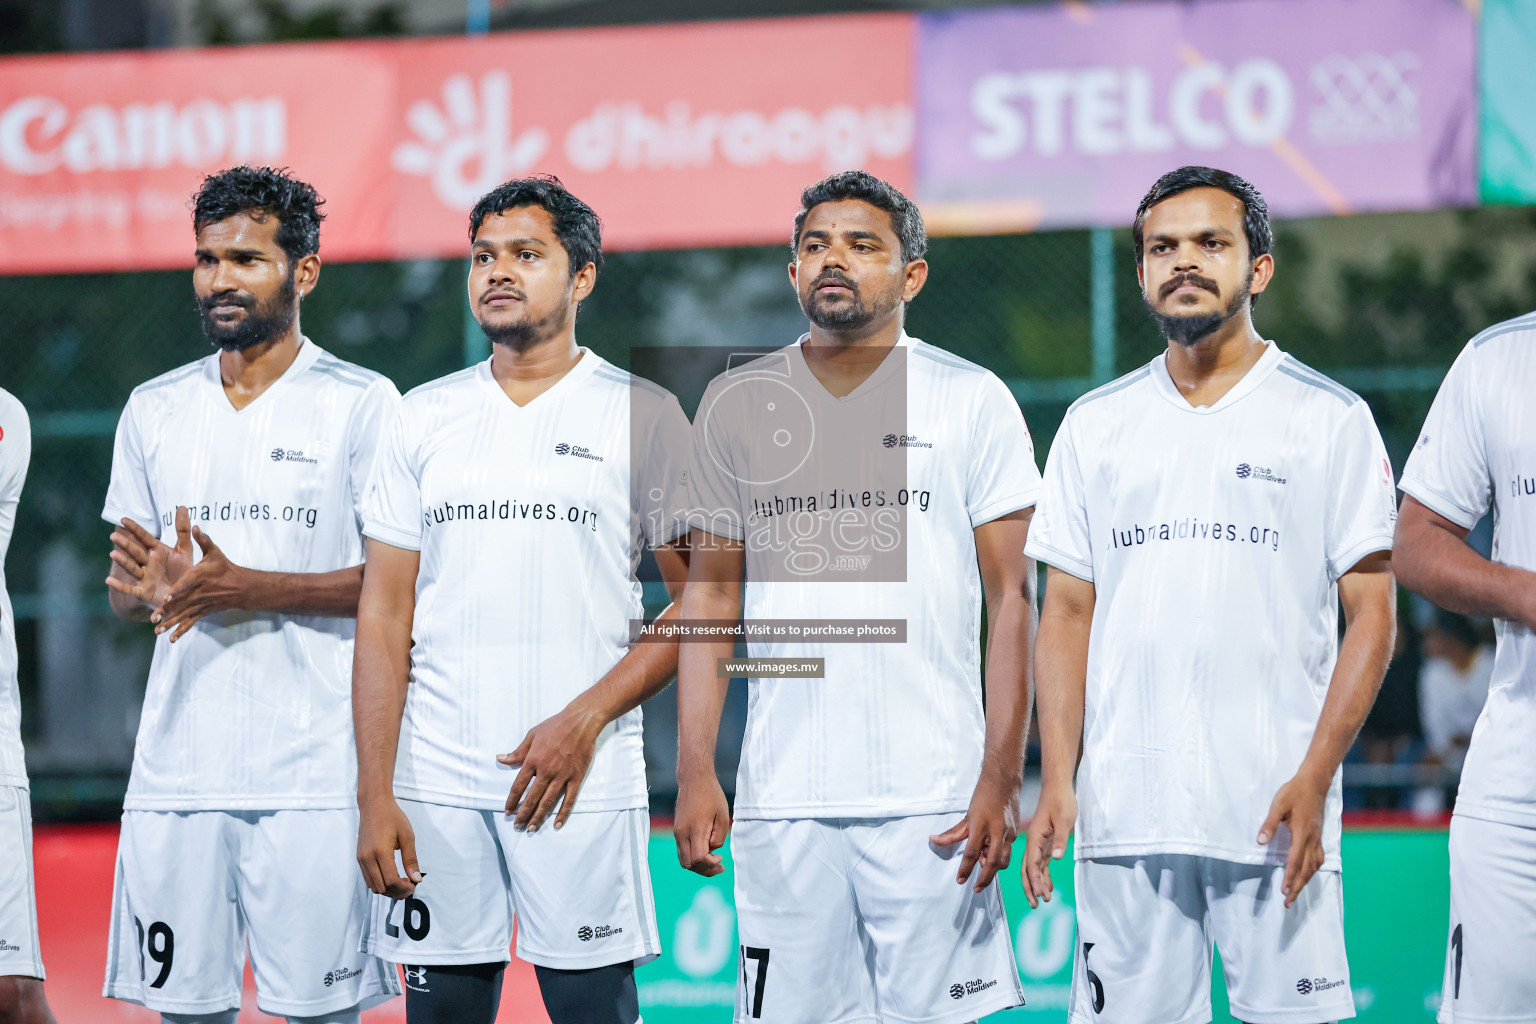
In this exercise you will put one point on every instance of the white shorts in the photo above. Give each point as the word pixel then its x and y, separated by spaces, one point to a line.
pixel 1146 926
pixel 581 895
pixel 1490 957
pixel 845 920
pixel 19 953
pixel 193 887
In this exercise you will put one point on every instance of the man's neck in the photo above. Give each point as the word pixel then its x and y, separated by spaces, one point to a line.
pixel 526 373
pixel 247 373
pixel 1208 369
pixel 842 360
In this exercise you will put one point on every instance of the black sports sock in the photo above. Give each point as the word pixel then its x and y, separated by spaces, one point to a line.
pixel 458 994
pixel 600 995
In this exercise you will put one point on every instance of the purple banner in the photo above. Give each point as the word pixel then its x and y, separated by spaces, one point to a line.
pixel 1063 116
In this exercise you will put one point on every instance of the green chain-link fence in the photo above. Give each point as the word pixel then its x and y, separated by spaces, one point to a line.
pixel 1382 303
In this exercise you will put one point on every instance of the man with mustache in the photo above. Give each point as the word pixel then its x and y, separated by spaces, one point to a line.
pixel 240 819
pixel 495 676
pixel 862 474
pixel 1203 519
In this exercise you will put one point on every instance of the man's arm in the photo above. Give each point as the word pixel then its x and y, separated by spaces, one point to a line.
pixel 703 818
pixel 1430 557
pixel 381 672
pixel 554 756
pixel 156 582
pixel 1061 688
pixel 1368 594
pixel 216 584
pixel 991 823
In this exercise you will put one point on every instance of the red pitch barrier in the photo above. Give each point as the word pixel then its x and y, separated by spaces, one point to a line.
pixel 74 907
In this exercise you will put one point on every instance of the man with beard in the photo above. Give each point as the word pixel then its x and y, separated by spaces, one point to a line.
pixel 1204 518
pixel 861 474
pixel 240 817
pixel 495 679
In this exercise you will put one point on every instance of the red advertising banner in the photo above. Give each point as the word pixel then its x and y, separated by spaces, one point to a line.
pixel 678 135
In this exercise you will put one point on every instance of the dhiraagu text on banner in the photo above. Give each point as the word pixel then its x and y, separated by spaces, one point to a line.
pixel 1396 892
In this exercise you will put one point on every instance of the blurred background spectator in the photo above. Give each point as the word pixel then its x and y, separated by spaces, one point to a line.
pixel 1392 734
pixel 1453 684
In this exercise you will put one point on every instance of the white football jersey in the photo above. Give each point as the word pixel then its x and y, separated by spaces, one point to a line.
pixel 530 521
pixel 862 507
pixel 252 710
pixel 15 454
pixel 1214 538
pixel 1478 451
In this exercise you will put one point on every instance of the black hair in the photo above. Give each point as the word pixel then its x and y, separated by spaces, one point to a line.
pixel 577 227
pixel 906 220
pixel 269 192
pixel 1185 179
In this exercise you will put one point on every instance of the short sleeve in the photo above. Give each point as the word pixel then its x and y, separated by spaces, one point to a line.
pixel 714 493
pixel 1001 477
pixel 15 457
pixel 660 477
pixel 1360 510
pixel 129 495
pixel 1058 532
pixel 1447 470
pixel 371 420
pixel 392 502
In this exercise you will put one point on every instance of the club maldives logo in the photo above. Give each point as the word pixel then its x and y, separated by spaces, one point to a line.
pixel 969 988
pixel 465 144
pixel 290 455
pixel 340 974
pixel 1311 986
pixel 576 450
pixel 1249 472
pixel 904 441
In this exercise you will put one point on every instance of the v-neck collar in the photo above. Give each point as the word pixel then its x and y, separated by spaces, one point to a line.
pixel 586 364
pixel 1257 374
pixel 886 368
pixel 308 353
